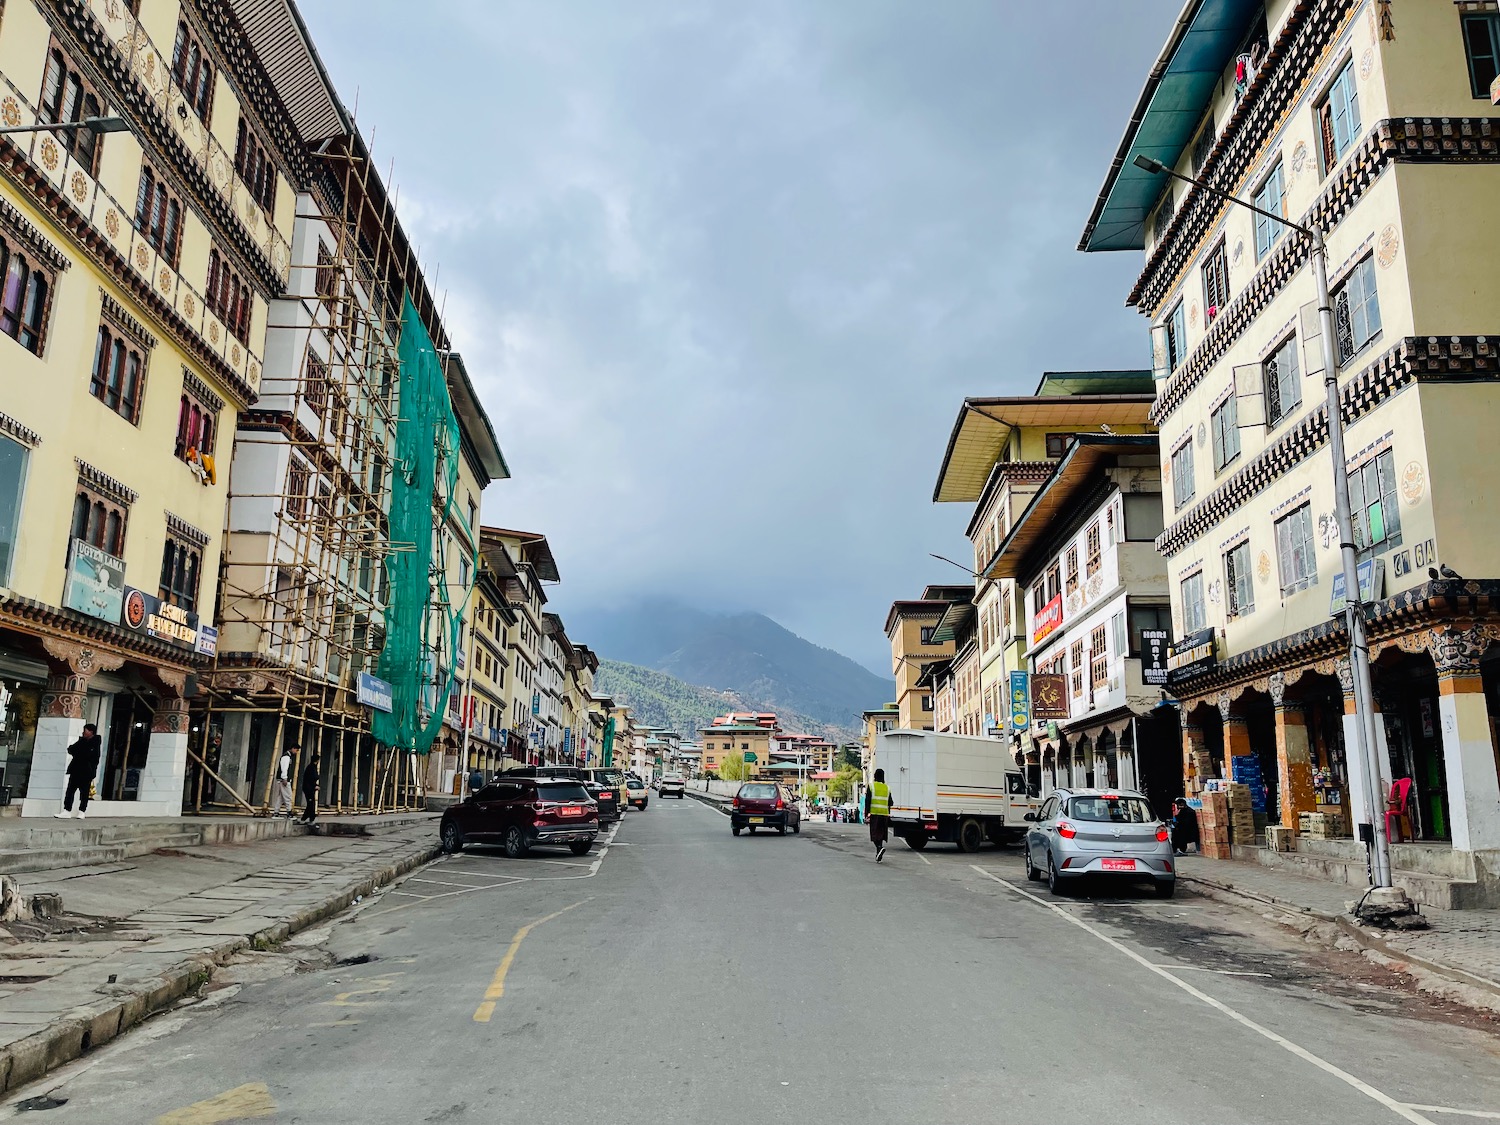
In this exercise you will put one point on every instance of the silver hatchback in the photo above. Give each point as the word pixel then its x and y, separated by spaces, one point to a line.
pixel 1100 832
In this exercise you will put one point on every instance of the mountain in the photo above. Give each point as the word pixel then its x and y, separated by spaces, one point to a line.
pixel 765 665
pixel 660 700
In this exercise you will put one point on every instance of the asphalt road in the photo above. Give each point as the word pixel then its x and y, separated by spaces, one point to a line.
pixel 689 976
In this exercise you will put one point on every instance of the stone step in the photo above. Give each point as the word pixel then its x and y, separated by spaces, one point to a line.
pixel 89 855
pixel 1336 866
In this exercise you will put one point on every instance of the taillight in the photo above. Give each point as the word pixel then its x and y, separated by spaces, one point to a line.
pixel 779 805
pixel 1162 835
pixel 736 805
pixel 1066 830
pixel 1167 863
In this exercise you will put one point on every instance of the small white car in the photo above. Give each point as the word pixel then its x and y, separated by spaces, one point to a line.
pixel 672 785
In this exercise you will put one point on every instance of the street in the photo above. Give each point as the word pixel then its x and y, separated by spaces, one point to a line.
pixel 679 974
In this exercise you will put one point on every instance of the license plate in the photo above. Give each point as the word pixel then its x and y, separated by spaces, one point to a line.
pixel 571 810
pixel 1118 864
pixel 757 820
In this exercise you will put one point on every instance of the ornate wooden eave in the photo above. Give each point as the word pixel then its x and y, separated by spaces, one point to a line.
pixel 27 615
pixel 67 217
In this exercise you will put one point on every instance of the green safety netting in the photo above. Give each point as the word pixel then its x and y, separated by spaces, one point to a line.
pixel 421 617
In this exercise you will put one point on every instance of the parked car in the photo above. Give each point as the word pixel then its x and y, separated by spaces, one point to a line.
pixel 521 813
pixel 611 792
pixel 762 804
pixel 672 785
pixel 608 795
pixel 636 793
pixel 1107 833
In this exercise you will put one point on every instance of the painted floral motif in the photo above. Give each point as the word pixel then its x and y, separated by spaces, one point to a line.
pixel 142 257
pixel 235 355
pixel 78 184
pixel 1413 482
pixel 1263 566
pixel 1299 159
pixel 253 374
pixel 1202 435
pixel 10 112
pixel 1238 252
pixel 189 306
pixel 112 223
pixel 1387 246
pixel 1367 62
pixel 213 333
pixel 50 155
pixel 164 280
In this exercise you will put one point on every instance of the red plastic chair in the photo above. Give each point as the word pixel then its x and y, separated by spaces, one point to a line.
pixel 1396 809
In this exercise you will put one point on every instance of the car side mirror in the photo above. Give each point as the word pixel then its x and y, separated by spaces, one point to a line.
pixel 1029 816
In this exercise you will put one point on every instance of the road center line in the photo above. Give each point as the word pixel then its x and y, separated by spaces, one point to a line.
pixel 1410 1113
pixel 496 989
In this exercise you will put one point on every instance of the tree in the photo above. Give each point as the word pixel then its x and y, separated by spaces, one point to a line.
pixel 733 768
pixel 843 786
pixel 849 756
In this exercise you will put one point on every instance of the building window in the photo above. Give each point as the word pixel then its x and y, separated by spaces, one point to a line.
pixel 197 426
pixel 1099 657
pixel 1144 518
pixel 927 703
pixel 1057 445
pixel 1226 432
pixel 1283 383
pixel 1356 310
pixel 193 72
pixel 158 216
pixel 13 462
pixel 298 481
pixel 1239 591
pixel 927 631
pixel 1482 48
pixel 315 385
pixel 1164 215
pixel 1070 570
pixel 1271 197
pixel 1176 336
pixel 1094 560
pixel 1215 282
pixel 255 168
pixel 1182 473
pixel 118 374
pixel 1338 117
pixel 25 295
pixel 66 96
pixel 1203 144
pixel 1372 500
pixel 99 520
pixel 1054 581
pixel 180 563
pixel 228 297
pixel 1194 612
pixel 1295 550
pixel 326 278
pixel 1142 617
pixel 1076 659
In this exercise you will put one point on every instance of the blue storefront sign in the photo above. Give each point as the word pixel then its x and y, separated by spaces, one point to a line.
pixel 1020 701
pixel 374 692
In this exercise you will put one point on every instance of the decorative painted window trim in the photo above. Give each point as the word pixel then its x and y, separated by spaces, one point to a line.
pixel 180 527
pixel 1291 502
pixel 105 484
pixel 1463 140
pixel 1277 341
pixel 1240 536
pixel 201 391
pixel 115 313
pixel 1412 359
pixel 23 434
pixel 24 231
pixel 1374 449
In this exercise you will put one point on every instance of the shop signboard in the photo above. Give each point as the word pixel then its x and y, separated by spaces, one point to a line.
pixel 208 640
pixel 1154 645
pixel 1020 701
pixel 1192 656
pixel 146 613
pixel 1049 695
pixel 1371 574
pixel 1048 620
pixel 374 692
pixel 95 583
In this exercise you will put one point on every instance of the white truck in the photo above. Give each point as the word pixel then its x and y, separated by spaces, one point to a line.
pixel 953 788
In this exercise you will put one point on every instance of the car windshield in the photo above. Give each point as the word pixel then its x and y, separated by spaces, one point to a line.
pixel 758 792
pixel 562 791
pixel 634 784
pixel 1116 810
pixel 607 777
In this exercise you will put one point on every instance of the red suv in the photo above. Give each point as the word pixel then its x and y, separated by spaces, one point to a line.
pixel 521 813
pixel 760 804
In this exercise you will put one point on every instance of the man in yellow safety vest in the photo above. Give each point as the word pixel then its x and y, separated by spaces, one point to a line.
pixel 878 813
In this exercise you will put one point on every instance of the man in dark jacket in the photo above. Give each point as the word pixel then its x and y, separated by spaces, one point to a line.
pixel 83 764
pixel 310 790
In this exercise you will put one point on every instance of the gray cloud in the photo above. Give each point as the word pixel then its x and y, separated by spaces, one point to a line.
pixel 724 272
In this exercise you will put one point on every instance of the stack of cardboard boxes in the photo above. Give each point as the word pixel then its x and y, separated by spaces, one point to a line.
pixel 1321 825
pixel 1241 814
pixel 1213 825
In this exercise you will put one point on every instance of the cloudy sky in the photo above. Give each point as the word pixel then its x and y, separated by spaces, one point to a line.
pixel 725 271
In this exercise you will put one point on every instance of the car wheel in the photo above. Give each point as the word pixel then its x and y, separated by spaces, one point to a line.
pixel 752 830
pixel 515 844
pixel 736 831
pixel 781 829
pixel 916 841
pixel 970 835
pixel 581 847
pixel 1166 888
pixel 797 828
pixel 453 839
pixel 1054 883
pixel 1032 874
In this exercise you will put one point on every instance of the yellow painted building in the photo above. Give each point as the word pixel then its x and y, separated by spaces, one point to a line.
pixel 1371 123
pixel 137 267
pixel 875 722
pixel 910 627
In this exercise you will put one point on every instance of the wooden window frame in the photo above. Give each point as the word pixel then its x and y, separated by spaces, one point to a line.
pixel 1215 282
pixel 1327 112
pixel 1224 425
pixel 1093 554
pixel 27 285
pixel 1239 581
pixel 1176 326
pixel 1287 550
pixel 255 168
pixel 159 215
pixel 198 411
pixel 228 296
pixel 118 375
pixel 193 71
pixel 68 96
pixel 99 519
pixel 1070 570
pixel 1379 470
pixel 1351 336
pixel 1184 476
pixel 1099 655
pixel 181 573
pixel 1268 231
pixel 1490 22
pixel 1278 408
pixel 1193 583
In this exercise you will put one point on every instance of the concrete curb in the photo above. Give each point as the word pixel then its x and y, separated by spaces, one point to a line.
pixel 1367 941
pixel 719 804
pixel 92 1025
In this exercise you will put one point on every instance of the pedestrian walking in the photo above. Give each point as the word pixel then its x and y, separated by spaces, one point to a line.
pixel 878 813
pixel 281 784
pixel 310 789
pixel 476 780
pixel 83 764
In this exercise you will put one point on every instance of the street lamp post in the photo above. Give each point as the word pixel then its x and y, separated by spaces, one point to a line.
pixel 92 124
pixel 1354 615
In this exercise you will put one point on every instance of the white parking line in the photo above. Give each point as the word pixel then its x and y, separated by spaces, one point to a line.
pixel 1206 969
pixel 1401 1109
pixel 1485 1113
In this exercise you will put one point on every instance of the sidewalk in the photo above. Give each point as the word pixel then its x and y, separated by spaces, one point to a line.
pixel 1461 946
pixel 136 935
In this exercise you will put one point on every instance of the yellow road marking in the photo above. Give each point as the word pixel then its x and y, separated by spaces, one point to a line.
pixel 496 989
pixel 249 1100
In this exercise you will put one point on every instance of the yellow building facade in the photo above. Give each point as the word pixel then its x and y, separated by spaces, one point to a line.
pixel 1369 124
pixel 910 626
